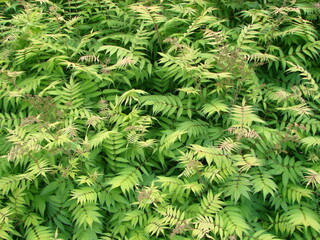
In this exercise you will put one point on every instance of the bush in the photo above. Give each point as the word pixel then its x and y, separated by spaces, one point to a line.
pixel 161 119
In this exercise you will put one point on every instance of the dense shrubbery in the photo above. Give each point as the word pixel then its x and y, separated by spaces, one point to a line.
pixel 160 119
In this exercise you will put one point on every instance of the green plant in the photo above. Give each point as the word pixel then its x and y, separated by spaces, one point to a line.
pixel 159 119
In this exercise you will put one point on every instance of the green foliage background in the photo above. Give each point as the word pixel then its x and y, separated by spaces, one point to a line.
pixel 165 119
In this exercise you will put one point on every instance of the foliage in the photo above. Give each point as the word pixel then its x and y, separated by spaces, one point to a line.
pixel 167 119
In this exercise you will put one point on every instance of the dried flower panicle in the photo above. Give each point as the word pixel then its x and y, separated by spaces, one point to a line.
pixel 148 196
pixel 44 106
